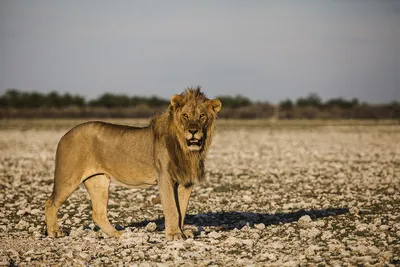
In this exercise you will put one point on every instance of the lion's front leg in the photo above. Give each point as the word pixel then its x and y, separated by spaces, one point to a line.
pixel 171 208
pixel 184 196
pixel 171 214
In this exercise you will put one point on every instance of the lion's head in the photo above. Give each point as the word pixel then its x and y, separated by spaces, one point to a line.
pixel 186 131
pixel 193 116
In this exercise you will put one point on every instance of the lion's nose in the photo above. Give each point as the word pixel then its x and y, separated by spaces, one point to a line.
pixel 193 131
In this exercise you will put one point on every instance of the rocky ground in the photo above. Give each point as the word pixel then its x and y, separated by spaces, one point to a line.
pixel 274 196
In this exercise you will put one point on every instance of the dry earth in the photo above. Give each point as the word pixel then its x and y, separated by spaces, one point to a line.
pixel 274 196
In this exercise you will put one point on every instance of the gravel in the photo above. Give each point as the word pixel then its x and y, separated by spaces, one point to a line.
pixel 272 196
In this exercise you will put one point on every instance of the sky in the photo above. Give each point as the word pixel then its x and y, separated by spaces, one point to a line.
pixel 265 50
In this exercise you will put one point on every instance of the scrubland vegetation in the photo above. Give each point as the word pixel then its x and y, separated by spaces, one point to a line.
pixel 19 104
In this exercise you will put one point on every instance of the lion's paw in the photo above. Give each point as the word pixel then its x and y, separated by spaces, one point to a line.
pixel 179 235
pixel 173 236
pixel 117 234
pixel 188 233
pixel 55 234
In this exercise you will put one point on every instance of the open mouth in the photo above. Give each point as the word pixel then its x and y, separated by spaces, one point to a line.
pixel 194 142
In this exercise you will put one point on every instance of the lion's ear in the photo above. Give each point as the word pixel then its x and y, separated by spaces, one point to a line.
pixel 176 100
pixel 216 105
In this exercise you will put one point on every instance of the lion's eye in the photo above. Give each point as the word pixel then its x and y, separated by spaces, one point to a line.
pixel 185 116
pixel 202 116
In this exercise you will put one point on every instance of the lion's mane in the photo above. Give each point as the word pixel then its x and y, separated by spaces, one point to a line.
pixel 185 167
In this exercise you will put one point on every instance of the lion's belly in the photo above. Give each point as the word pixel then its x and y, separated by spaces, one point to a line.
pixel 136 177
pixel 134 184
pixel 133 174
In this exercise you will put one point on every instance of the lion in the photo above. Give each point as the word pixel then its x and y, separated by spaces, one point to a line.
pixel 169 152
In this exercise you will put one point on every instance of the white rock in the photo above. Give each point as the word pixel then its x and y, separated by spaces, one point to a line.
pixel 304 221
pixel 177 245
pixel 21 212
pixel 309 251
pixel 270 256
pixel 214 235
pixel 386 256
pixel 29 252
pixel 365 259
pixel 22 225
pixel 247 199
pixel 259 226
pixel 231 241
pixel 153 257
pixel 36 234
pixel 374 250
pixel 290 263
pixel 339 247
pixel 125 252
pixel 84 255
pixel 68 255
pixel 246 227
pixel 377 221
pixel 248 242
pixel 313 232
pixel 176 255
pixel 151 227
pixel 362 227
pixel 127 234
pixel 13 253
pixel 361 249
pixel 35 211
pixel 326 235
pixel 354 210
pixel 277 245
pixel 76 232
pixel 384 227
pixel 165 256
pixel 107 249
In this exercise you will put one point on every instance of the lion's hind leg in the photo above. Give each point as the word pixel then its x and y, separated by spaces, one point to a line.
pixel 97 187
pixel 60 193
pixel 51 218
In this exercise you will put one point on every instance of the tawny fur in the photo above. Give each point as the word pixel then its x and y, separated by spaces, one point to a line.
pixel 169 152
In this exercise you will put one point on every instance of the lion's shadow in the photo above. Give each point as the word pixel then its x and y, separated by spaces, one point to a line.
pixel 229 220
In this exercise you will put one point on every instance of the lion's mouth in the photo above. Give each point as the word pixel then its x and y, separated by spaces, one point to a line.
pixel 194 142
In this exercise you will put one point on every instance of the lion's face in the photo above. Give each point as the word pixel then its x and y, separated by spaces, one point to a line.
pixel 192 117
pixel 194 121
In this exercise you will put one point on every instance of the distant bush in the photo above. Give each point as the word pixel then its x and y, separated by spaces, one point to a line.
pixel 255 111
pixel 341 103
pixel 13 98
pixel 113 101
pixel 312 100
pixel 234 101
pixel 286 104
